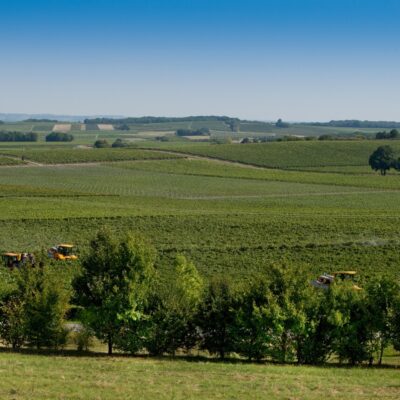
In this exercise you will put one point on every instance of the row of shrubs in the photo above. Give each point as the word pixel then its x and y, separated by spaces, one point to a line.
pixel 8 136
pixel 121 298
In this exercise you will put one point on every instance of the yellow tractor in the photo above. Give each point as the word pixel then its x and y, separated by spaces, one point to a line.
pixel 16 260
pixel 64 252
pixel 325 280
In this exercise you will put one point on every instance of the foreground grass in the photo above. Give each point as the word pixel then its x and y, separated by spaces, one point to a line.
pixel 54 377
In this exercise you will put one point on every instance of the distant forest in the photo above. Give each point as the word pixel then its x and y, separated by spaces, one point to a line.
pixel 354 123
pixel 153 120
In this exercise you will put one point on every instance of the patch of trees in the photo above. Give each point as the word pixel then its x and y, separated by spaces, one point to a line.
pixel 119 143
pixel 101 144
pixel 59 137
pixel 122 127
pixel 8 136
pixel 193 132
pixel 40 120
pixel 153 120
pixel 353 123
pixel 281 124
pixel 393 134
pixel 383 159
pixel 126 303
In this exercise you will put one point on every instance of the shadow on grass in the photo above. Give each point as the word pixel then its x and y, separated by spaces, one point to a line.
pixel 183 357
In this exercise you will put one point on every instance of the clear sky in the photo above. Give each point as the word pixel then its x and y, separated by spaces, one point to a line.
pixel 258 59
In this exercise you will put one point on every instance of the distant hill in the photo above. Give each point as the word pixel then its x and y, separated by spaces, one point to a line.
pixel 53 117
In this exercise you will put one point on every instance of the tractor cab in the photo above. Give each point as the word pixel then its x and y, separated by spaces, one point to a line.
pixel 324 281
pixel 16 260
pixel 346 276
pixel 12 260
pixel 62 252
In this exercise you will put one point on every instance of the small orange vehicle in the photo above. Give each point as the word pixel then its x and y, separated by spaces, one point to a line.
pixel 63 252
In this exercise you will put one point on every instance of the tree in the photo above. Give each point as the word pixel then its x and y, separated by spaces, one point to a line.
pixel 101 143
pixel 172 317
pixel 119 143
pixel 382 159
pixel 281 124
pixel 33 312
pixel 114 284
pixel 394 134
pixel 382 295
pixel 59 137
pixel 45 304
pixel 216 318
pixel 255 323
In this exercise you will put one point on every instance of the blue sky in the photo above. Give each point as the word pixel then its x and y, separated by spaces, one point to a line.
pixel 261 59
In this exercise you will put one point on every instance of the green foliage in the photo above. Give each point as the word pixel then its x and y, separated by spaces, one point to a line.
pixel 119 143
pixel 101 144
pixel 290 154
pixel 34 310
pixel 113 287
pixel 382 159
pixel 193 132
pixel 18 137
pixel 59 137
pixel 216 318
pixel 173 309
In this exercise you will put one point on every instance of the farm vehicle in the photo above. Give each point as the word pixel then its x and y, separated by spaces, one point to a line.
pixel 62 252
pixel 17 260
pixel 324 281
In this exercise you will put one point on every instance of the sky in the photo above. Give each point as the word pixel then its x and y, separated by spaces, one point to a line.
pixel 299 60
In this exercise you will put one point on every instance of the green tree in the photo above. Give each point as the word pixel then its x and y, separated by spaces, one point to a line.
pixel 382 295
pixel 216 318
pixel 12 326
pixel 382 159
pixel 354 340
pixel 35 311
pixel 115 282
pixel 172 320
pixel 394 134
pixel 101 144
pixel 255 322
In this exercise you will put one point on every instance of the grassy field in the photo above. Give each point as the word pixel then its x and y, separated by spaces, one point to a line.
pixel 63 377
pixel 290 154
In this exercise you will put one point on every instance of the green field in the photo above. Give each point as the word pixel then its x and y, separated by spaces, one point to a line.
pixel 40 377
pixel 290 154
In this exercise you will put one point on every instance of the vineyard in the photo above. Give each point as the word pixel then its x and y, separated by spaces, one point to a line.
pixel 226 217
pixel 291 154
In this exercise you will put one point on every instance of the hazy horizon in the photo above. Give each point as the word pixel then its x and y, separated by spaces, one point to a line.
pixel 261 60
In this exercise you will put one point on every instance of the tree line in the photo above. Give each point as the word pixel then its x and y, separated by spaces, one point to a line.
pixel 14 136
pixel 121 298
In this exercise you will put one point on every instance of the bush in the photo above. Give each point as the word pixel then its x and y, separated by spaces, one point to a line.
pixel 101 144
pixel 59 137
pixel 18 136
pixel 119 143
pixel 191 132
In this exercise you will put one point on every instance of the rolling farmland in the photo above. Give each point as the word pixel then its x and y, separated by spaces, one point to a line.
pixel 234 211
